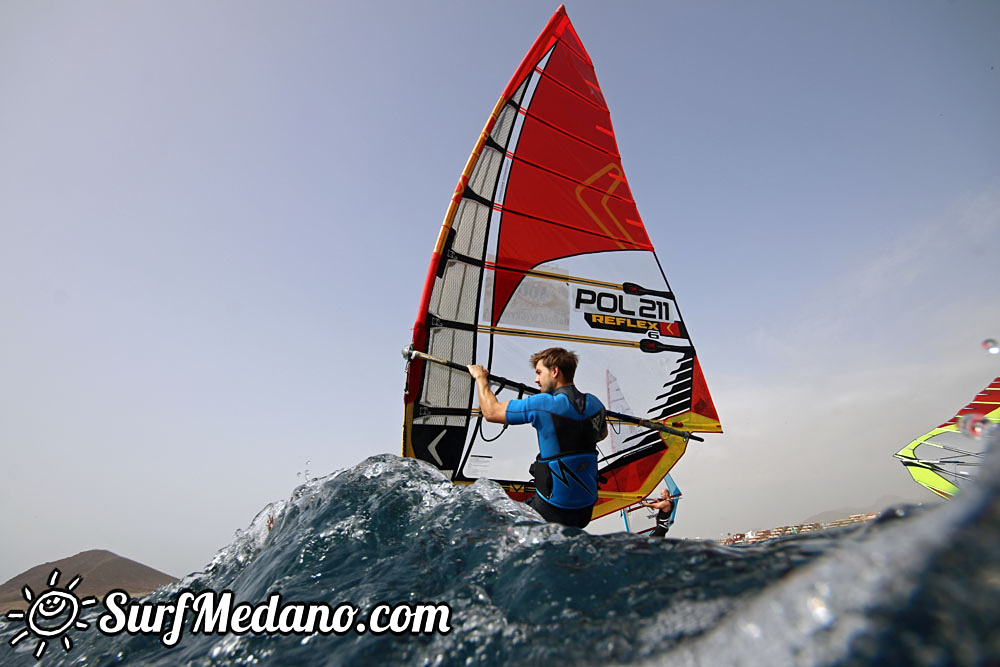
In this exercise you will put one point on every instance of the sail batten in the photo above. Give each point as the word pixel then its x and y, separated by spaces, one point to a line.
pixel 580 138
pixel 597 234
pixel 589 186
pixel 542 245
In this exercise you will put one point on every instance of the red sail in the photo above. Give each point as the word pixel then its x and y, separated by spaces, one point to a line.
pixel 543 245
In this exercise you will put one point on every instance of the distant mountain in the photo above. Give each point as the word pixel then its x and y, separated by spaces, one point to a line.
pixel 100 571
pixel 879 505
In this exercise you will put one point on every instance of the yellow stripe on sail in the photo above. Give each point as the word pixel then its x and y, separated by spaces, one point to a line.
pixel 611 501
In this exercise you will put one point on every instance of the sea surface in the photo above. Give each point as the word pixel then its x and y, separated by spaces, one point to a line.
pixel 917 586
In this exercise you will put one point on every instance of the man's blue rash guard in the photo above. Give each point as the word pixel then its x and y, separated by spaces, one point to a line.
pixel 569 425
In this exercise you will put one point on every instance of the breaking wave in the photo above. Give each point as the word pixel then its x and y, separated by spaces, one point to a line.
pixel 915 586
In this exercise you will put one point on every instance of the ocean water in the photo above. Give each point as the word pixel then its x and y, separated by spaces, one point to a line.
pixel 917 586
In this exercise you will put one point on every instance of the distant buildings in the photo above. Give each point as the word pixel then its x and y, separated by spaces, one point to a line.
pixel 752 536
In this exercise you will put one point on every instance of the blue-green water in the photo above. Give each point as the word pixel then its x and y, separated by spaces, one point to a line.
pixel 916 586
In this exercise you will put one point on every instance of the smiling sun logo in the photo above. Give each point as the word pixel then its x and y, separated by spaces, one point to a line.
pixel 51 614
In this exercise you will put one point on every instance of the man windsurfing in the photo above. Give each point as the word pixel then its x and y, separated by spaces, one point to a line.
pixel 569 424
pixel 664 507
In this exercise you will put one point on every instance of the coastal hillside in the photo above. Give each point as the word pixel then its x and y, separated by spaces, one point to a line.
pixel 879 505
pixel 101 572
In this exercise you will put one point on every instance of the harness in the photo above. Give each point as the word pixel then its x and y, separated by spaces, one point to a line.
pixel 565 472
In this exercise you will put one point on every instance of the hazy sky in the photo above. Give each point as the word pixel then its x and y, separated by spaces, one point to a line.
pixel 216 218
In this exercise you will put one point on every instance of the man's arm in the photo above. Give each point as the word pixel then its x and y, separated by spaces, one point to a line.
pixel 493 410
pixel 665 504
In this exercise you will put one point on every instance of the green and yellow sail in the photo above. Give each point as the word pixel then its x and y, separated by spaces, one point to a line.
pixel 946 457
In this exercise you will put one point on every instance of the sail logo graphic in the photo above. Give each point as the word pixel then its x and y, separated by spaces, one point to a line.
pixel 612 176
pixel 52 614
pixel 627 312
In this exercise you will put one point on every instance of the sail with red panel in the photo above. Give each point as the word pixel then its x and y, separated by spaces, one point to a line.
pixel 946 458
pixel 542 245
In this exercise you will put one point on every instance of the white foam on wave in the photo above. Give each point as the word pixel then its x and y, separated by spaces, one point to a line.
pixel 811 617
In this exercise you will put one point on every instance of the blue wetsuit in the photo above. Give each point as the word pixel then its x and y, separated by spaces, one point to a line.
pixel 569 425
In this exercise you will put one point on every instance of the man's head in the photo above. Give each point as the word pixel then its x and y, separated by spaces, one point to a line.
pixel 665 495
pixel 554 368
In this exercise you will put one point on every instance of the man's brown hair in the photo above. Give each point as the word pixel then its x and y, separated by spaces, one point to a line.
pixel 557 357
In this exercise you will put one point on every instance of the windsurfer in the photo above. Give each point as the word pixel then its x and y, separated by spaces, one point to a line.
pixel 664 507
pixel 569 425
